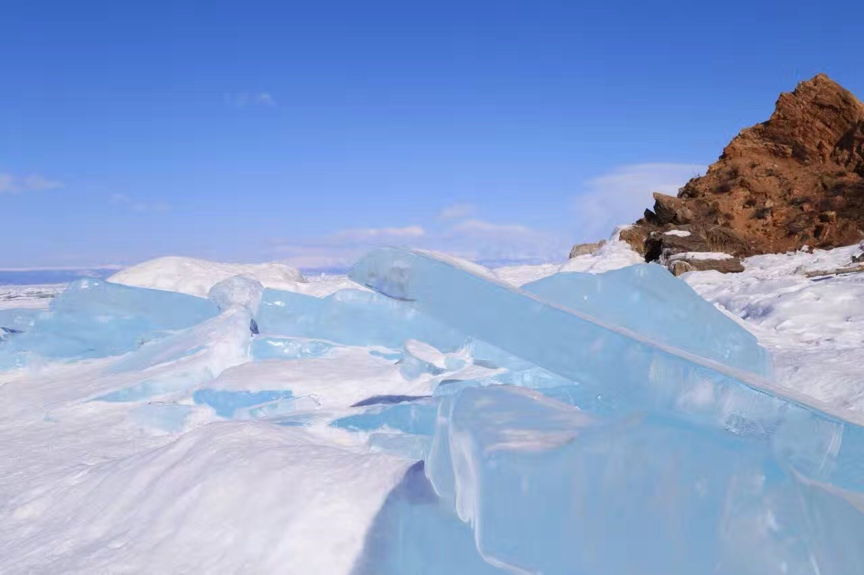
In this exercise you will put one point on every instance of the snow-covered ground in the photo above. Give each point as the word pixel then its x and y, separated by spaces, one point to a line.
pixel 30 297
pixel 813 326
pixel 115 465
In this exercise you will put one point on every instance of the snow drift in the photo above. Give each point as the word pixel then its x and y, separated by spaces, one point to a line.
pixel 196 277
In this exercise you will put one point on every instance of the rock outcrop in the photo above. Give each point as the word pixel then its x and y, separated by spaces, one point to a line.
pixel 586 249
pixel 794 180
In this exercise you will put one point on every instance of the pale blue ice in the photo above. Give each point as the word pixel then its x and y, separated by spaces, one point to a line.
pixel 352 317
pixel 650 301
pixel 225 403
pixel 93 318
pixel 687 460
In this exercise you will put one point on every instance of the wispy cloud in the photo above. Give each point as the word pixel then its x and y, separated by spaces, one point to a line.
pixel 124 201
pixel 456 211
pixel 473 239
pixel 261 99
pixel 11 184
pixel 368 234
pixel 622 195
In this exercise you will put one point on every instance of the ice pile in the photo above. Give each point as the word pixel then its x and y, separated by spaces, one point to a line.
pixel 443 422
pixel 693 464
pixel 93 318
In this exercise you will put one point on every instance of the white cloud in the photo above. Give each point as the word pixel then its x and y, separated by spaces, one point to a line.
pixel 262 99
pixel 456 211
pixel 622 195
pixel 10 184
pixel 367 234
pixel 473 239
pixel 122 200
pixel 483 241
pixel 481 227
pixel 344 247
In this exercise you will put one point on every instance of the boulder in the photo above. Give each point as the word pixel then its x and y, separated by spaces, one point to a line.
pixel 586 249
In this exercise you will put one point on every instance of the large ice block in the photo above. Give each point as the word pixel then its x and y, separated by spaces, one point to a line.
pixel 93 318
pixel 623 371
pixel 352 317
pixel 17 320
pixel 550 489
pixel 648 300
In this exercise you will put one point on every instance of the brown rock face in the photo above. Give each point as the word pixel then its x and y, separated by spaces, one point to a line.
pixel 586 249
pixel 795 180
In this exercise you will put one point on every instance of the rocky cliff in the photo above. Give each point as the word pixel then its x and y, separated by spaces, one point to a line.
pixel 794 180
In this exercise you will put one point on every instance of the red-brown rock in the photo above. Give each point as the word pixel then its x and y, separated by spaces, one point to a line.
pixel 794 180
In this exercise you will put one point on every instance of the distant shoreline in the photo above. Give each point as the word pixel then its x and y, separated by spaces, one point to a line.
pixel 49 276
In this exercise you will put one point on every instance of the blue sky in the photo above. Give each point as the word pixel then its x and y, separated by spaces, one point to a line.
pixel 310 131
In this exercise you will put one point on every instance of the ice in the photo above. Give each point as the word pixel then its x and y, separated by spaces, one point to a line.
pixel 635 431
pixel 648 300
pixel 616 371
pixel 18 319
pixel 414 417
pixel 630 370
pixel 548 488
pixel 238 291
pixel 290 348
pixel 93 318
pixel 352 317
pixel 417 532
pixel 225 403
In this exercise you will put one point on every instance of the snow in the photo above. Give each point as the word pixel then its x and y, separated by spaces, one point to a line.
pixel 225 498
pixel 523 274
pixel 169 437
pixel 30 297
pixel 699 256
pixel 678 233
pixel 614 254
pixel 814 327
pixel 196 277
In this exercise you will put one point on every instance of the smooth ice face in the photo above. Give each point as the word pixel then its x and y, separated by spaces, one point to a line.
pixel 226 403
pixel 616 371
pixel 550 489
pixel 414 415
pixel 648 300
pixel 93 318
pixel 352 317
pixel 629 370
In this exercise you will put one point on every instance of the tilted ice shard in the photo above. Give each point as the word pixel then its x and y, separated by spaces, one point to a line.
pixel 630 369
pixel 623 371
pixel 352 317
pixel 550 489
pixel 93 318
pixel 648 300
pixel 186 358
